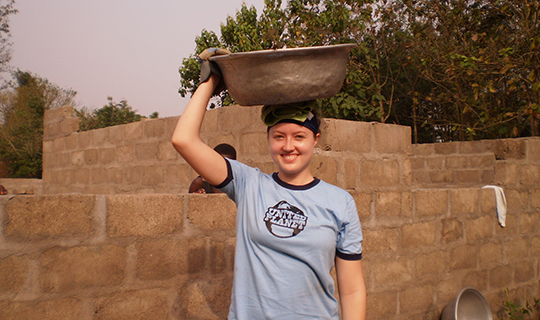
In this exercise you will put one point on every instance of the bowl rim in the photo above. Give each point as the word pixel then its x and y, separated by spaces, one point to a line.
pixel 285 51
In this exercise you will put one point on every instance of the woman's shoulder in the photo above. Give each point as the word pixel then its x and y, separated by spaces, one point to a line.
pixel 334 190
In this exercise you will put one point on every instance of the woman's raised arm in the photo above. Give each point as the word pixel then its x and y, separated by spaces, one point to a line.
pixel 187 141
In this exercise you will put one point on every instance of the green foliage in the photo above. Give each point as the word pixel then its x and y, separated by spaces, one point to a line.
pixel 22 108
pixel 452 70
pixel 515 311
pixel 6 9
pixel 112 114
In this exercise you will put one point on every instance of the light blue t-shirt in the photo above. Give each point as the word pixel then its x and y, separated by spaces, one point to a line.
pixel 286 240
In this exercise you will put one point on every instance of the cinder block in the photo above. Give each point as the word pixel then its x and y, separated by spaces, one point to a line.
pixel 382 304
pixel 529 223
pixel 64 160
pixel 430 202
pixel 166 258
pixel 482 161
pixel 125 154
pixel 40 217
pixel 69 308
pixel 100 138
pixel 114 175
pixel 91 157
pixel 524 271
pixel 418 235
pixel 69 126
pixel 133 132
pixel 464 201
pixel 351 173
pixel 236 118
pixel 467 176
pixel 423 149
pixel 391 273
pixel 116 135
pixel 98 176
pixel 505 173
pixel 448 289
pixel 85 139
pixel 343 135
pixel 107 156
pixel 137 304
pixel 517 249
pixel 154 128
pixel 418 163
pixel 391 138
pixel 204 299
pixel 506 149
pixel 456 162
pixel 481 228
pixel 382 173
pixel 529 175
pixel 476 279
pixel 133 176
pixel 535 199
pixel 144 215
pixel 82 267
pixel 363 202
pixel 211 211
pixel 253 144
pixel 431 264
pixel 381 240
pixel 517 200
pixel 500 277
pixel 442 176
pixel 445 147
pixel 179 173
pixel 325 168
pixel 58 145
pixel 533 150
pixel 416 298
pixel 170 126
pixel 80 176
pixel 153 175
pixel 452 230
pixel 421 177
pixel 393 204
pixel 220 251
pixel 490 254
pixel 535 246
pixel 463 257
pixel 50 161
pixel 146 151
pixel 13 273
pixel 436 163
pixel 166 151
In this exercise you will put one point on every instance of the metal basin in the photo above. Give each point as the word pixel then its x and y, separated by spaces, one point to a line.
pixel 469 304
pixel 284 75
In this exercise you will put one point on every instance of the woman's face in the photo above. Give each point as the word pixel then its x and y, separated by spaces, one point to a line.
pixel 291 148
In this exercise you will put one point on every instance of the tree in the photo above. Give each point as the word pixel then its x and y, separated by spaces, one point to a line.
pixel 112 114
pixel 6 9
pixel 22 108
pixel 452 69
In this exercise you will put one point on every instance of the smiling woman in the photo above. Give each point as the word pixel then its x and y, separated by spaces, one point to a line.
pixel 292 228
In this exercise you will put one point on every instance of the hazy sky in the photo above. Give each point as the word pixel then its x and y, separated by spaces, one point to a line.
pixel 127 49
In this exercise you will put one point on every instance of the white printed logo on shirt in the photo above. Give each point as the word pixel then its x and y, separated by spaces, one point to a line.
pixel 285 220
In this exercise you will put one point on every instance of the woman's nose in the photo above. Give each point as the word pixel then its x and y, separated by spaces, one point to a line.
pixel 289 145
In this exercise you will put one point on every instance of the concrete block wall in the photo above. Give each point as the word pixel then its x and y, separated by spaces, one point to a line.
pixel 22 186
pixel 513 163
pixel 164 256
pixel 139 158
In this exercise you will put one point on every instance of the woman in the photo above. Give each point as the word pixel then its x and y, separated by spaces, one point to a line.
pixel 291 226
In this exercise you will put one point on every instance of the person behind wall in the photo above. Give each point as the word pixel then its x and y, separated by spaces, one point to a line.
pixel 292 229
pixel 199 185
pixel 3 190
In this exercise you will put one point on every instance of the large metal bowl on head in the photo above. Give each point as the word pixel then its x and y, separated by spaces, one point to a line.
pixel 469 304
pixel 284 75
